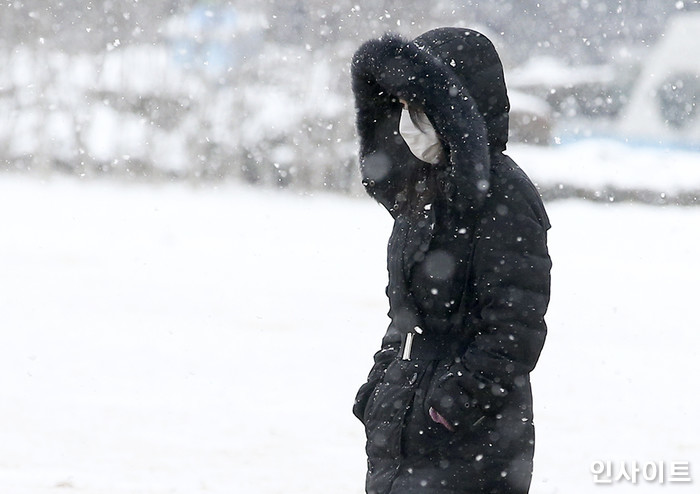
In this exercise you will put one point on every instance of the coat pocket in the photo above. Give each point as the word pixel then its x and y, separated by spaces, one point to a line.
pixel 421 434
pixel 386 409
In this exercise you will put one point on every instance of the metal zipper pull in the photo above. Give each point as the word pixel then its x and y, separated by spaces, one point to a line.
pixel 407 347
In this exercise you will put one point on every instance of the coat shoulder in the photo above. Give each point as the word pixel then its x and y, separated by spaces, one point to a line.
pixel 512 192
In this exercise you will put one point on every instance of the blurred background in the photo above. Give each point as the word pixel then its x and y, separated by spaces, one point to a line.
pixel 258 91
pixel 193 280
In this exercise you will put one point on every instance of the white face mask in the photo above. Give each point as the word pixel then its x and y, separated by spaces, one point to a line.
pixel 424 144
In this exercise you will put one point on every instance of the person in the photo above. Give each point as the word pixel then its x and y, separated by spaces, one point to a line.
pixel 447 406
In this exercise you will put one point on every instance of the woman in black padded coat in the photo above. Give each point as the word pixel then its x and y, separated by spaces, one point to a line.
pixel 447 406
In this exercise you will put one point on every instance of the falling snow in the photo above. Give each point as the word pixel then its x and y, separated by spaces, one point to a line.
pixel 170 324
pixel 157 340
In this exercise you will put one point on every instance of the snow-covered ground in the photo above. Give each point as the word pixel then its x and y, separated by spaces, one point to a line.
pixel 599 164
pixel 169 339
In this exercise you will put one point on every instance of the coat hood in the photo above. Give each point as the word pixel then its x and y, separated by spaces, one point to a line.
pixel 456 77
pixel 474 60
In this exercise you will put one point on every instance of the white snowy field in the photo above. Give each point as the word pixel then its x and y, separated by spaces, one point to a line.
pixel 168 339
pixel 600 163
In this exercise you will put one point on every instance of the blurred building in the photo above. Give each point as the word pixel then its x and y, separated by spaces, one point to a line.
pixel 214 39
pixel 663 104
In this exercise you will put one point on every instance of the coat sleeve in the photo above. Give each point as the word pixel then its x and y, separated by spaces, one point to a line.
pixel 512 286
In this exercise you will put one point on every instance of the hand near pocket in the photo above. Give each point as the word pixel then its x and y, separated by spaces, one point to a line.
pixel 460 399
pixel 439 419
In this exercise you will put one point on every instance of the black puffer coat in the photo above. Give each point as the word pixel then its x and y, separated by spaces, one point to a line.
pixel 468 272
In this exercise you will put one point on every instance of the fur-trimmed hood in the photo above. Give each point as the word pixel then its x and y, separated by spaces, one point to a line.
pixel 456 77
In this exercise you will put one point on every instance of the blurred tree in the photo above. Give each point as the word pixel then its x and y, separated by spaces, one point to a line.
pixel 84 26
pixel 283 111
pixel 584 31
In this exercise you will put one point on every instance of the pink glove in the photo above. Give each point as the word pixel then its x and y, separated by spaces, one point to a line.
pixel 437 418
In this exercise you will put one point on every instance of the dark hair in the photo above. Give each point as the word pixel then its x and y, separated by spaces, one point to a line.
pixel 413 113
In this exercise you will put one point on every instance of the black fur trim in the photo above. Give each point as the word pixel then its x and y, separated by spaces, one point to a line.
pixel 389 68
